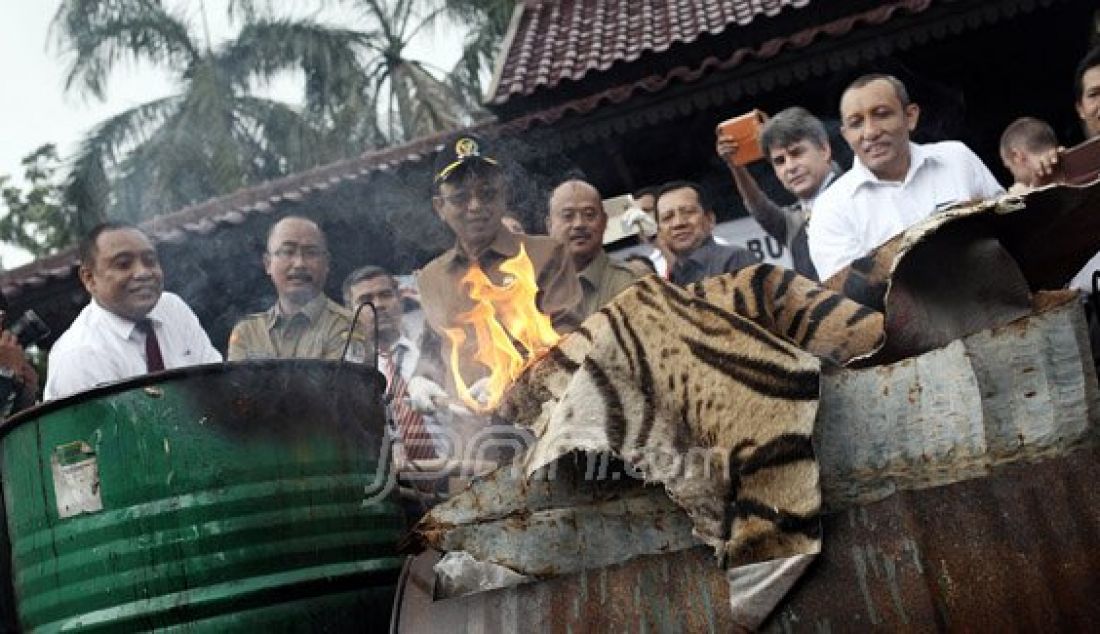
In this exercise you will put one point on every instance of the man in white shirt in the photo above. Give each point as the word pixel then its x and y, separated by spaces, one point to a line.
pixel 893 182
pixel 1087 95
pixel 131 326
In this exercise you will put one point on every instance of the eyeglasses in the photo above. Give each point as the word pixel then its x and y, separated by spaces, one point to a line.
pixel 287 252
pixel 462 198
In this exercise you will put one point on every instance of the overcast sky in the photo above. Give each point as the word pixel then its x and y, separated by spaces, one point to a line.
pixel 35 108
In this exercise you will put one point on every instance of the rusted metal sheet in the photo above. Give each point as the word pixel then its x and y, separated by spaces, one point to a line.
pixel 1081 163
pixel 954 281
pixel 580 515
pixel 977 448
pixel 1016 551
pixel 1056 236
pixel 682 592
pixel 1021 391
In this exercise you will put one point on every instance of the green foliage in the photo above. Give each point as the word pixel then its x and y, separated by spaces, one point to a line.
pixel 487 22
pixel 37 219
pixel 214 135
pixel 400 98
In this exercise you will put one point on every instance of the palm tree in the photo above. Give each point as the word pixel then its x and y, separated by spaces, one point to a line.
pixel 213 135
pixel 488 22
pixel 410 99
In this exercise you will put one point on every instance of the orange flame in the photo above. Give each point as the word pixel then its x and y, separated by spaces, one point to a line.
pixel 502 317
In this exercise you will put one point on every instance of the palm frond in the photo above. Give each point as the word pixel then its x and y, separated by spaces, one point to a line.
pixel 499 12
pixel 186 162
pixel 431 20
pixel 181 164
pixel 426 104
pixel 87 186
pixel 284 133
pixel 487 21
pixel 163 173
pixel 328 57
pixel 101 33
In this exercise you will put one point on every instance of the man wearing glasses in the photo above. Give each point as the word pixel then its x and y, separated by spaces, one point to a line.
pixel 469 194
pixel 303 323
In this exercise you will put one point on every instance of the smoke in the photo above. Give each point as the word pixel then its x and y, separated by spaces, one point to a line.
pixel 383 218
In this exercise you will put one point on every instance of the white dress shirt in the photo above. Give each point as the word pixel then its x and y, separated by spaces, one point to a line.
pixel 859 212
pixel 409 354
pixel 100 347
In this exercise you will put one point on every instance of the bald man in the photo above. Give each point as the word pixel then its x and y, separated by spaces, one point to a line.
pixel 576 218
pixel 303 323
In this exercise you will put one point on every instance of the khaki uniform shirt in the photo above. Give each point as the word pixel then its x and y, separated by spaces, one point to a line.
pixel 443 297
pixel 318 331
pixel 602 280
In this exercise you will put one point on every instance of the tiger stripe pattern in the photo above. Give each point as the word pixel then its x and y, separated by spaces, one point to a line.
pixel 708 391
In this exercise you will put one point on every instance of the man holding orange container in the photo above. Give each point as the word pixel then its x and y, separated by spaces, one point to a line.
pixel 796 145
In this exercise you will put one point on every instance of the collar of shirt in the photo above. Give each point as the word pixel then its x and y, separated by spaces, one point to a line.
pixel 593 273
pixel 311 311
pixel 119 326
pixel 806 205
pixel 404 348
pixel 505 244
pixel 918 157
pixel 402 343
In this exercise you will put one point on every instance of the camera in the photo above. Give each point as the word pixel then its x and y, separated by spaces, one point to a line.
pixel 29 329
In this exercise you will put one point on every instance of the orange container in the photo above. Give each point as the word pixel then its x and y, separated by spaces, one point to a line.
pixel 744 129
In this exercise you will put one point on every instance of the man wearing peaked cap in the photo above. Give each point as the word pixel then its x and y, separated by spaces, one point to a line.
pixel 469 194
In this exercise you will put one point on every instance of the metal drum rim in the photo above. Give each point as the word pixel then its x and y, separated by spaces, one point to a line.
pixel 176 374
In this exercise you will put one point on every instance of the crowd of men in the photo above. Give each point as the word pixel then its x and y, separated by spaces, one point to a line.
pixel 132 326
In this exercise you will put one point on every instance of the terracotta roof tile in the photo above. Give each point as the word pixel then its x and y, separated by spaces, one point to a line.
pixel 557 40
pixel 689 74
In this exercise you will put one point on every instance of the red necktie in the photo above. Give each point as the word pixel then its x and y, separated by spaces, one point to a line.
pixel 414 433
pixel 154 362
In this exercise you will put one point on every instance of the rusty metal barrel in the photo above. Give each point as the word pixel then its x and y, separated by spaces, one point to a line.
pixel 239 497
pixel 960 496
pixel 959 487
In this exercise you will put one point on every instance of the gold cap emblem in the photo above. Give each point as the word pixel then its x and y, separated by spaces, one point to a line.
pixel 466 147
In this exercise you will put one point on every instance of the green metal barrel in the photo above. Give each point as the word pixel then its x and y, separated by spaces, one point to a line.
pixel 216 498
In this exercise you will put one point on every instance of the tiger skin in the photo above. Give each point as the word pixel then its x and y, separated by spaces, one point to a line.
pixel 710 390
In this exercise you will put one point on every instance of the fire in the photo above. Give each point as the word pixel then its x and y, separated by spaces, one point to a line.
pixel 502 317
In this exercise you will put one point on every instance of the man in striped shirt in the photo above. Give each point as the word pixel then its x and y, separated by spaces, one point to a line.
pixel 397 354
